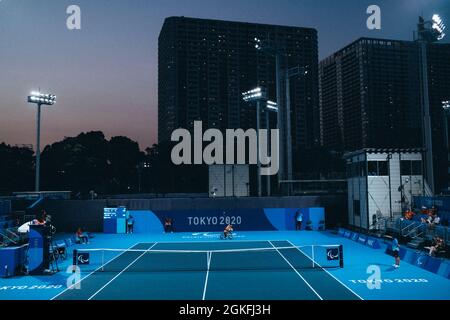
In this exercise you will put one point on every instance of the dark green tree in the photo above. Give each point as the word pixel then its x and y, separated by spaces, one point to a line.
pixel 124 158
pixel 16 169
pixel 78 164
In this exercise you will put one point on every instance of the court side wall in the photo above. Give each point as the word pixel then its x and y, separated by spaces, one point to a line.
pixel 70 214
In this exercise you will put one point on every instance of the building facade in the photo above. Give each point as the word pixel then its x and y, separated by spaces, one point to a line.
pixel 370 98
pixel 205 65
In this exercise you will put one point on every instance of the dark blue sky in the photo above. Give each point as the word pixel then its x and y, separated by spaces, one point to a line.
pixel 105 75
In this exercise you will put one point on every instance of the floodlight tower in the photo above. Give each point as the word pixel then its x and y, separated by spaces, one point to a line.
pixel 40 99
pixel 271 106
pixel 258 95
pixel 428 32
pixel 446 109
pixel 277 50
pixel 289 73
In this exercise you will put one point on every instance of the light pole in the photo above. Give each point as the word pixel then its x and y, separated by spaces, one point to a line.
pixel 290 72
pixel 257 95
pixel 270 107
pixel 40 99
pixel 446 109
pixel 428 32
pixel 277 50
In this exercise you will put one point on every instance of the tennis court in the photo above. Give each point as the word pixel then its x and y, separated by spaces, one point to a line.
pixel 222 270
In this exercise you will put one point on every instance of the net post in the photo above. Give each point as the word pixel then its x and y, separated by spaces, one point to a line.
pixel 312 256
pixel 74 260
pixel 341 256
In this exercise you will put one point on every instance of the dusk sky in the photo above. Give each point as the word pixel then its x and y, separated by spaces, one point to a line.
pixel 105 75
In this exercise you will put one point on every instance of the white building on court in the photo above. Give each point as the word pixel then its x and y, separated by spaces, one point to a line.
pixel 382 184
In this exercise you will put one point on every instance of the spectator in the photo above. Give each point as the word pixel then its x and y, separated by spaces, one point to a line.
pixel 81 237
pixel 40 219
pixel 436 220
pixel 409 215
pixel 437 245
pixel 427 220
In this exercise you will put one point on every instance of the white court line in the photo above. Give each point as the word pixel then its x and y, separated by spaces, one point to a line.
pixel 219 241
pixel 126 268
pixel 287 261
pixel 207 274
pixel 90 274
pixel 326 271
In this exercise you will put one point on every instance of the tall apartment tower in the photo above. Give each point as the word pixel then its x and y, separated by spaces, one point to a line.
pixel 370 98
pixel 205 65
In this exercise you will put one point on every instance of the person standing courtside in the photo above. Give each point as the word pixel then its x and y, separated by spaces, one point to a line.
pixel 298 220
pixel 396 253
pixel 130 224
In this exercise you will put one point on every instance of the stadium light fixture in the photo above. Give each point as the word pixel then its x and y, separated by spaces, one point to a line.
pixel 253 95
pixel 438 26
pixel 40 99
pixel 258 44
pixel 431 30
pixel 272 106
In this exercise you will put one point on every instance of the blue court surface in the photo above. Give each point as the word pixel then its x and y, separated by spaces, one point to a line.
pixel 200 266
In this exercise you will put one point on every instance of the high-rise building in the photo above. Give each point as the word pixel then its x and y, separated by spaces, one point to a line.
pixel 205 65
pixel 370 97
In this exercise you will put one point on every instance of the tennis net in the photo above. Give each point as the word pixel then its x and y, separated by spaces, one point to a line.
pixel 153 260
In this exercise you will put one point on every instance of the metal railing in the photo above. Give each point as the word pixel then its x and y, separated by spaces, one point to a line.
pixel 409 226
pixel 8 239
pixel 415 229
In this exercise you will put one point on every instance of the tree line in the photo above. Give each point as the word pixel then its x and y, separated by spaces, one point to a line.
pixel 90 163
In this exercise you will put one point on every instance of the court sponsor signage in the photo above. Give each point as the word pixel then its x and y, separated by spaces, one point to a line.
pixel 32 287
pixel 373 243
pixel 391 281
pixel 362 239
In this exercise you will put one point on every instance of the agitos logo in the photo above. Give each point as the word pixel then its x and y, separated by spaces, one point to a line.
pixel 237 139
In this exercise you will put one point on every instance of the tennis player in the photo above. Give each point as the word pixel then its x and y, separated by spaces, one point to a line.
pixel 396 252
pixel 227 231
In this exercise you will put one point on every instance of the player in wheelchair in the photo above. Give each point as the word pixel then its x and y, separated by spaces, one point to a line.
pixel 227 233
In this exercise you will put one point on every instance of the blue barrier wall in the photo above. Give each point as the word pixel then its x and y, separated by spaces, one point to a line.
pixel 267 219
pixel 424 261
pixel 68 215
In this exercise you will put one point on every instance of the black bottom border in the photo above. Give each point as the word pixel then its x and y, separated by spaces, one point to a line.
pixel 233 309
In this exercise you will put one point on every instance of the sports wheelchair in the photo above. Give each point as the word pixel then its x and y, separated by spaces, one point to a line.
pixel 228 236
